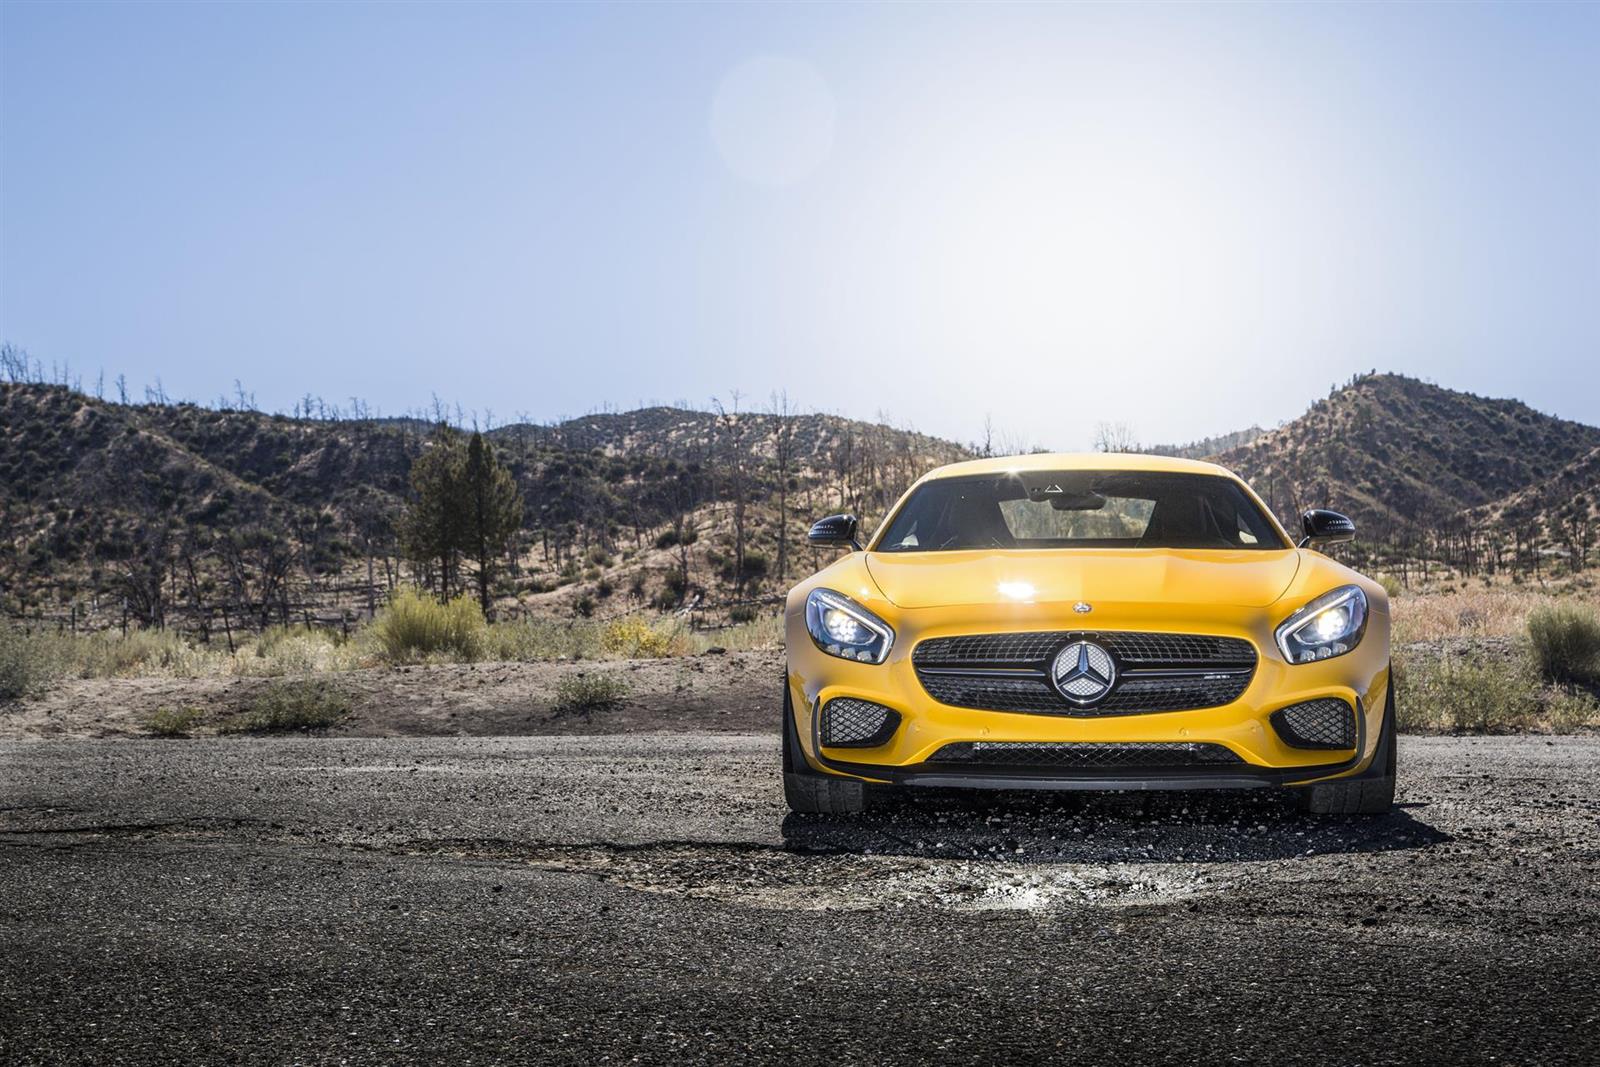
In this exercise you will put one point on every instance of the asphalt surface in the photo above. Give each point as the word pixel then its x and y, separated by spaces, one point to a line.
pixel 611 899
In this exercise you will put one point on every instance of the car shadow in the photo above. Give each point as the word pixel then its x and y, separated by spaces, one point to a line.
pixel 1021 827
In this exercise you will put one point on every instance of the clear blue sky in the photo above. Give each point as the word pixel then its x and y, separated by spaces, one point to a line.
pixel 1185 218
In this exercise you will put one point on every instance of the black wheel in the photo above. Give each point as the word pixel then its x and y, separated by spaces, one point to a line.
pixel 809 793
pixel 1369 793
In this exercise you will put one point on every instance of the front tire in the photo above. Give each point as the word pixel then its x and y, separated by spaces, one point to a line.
pixel 1368 793
pixel 812 794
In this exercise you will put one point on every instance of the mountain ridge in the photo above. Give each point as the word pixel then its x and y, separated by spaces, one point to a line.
pixel 89 488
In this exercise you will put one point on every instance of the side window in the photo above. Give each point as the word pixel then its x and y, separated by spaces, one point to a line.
pixel 1245 536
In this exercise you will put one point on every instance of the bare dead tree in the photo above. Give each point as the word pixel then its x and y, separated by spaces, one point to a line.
pixel 1114 437
pixel 257 562
pixel 731 429
pixel 142 573
pixel 783 454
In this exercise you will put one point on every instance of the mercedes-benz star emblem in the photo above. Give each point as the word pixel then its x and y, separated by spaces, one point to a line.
pixel 1082 607
pixel 1083 672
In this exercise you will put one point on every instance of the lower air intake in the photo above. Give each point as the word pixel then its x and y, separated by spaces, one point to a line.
pixel 1087 755
pixel 1325 723
pixel 851 723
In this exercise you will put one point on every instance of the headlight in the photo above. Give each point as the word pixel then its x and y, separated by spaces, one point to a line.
pixel 843 628
pixel 1329 626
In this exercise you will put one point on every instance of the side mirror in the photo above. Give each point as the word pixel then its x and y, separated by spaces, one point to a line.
pixel 835 530
pixel 1323 527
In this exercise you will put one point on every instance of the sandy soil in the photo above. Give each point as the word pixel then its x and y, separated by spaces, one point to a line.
pixel 735 691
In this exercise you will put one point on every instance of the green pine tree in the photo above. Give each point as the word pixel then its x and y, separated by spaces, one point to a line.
pixel 492 512
pixel 433 528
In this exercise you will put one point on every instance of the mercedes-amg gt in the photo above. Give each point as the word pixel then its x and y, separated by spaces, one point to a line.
pixel 1087 622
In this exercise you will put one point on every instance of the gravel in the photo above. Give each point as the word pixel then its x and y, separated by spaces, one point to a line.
pixel 591 899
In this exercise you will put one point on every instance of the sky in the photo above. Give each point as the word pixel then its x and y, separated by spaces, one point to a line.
pixel 1188 219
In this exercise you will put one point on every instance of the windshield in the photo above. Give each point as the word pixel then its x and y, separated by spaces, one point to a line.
pixel 1079 509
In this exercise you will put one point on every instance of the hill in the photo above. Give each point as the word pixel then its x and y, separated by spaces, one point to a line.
pixel 814 440
pixel 137 511
pixel 1208 446
pixel 1562 512
pixel 1409 460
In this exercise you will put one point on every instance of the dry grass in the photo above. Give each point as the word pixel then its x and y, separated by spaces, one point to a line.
pixel 539 640
pixel 1540 676
pixel 31 661
pixel 1501 611
pixel 762 633
pixel 279 651
pixel 413 628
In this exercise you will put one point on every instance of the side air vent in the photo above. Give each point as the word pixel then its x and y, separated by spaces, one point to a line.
pixel 851 723
pixel 1324 723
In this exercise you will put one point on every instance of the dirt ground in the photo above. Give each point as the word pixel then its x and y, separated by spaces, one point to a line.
pixel 732 691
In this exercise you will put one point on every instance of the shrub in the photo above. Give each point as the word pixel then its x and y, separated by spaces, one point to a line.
pixel 1566 642
pixel 1567 709
pixel 597 557
pixel 1485 694
pixel 603 589
pixel 413 626
pixel 674 587
pixel 1391 585
pixel 174 722
pixel 26 663
pixel 1458 694
pixel 288 706
pixel 583 693
pixel 755 566
pixel 584 605
pixel 633 637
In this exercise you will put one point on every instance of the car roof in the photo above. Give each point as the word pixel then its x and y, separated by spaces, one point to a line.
pixel 1077 461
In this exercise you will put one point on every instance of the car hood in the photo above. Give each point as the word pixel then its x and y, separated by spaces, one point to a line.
pixel 1125 576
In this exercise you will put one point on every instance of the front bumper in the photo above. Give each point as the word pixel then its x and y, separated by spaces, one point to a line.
pixel 911 756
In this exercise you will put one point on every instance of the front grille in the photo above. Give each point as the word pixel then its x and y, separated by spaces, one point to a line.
pixel 1155 671
pixel 851 723
pixel 1325 723
pixel 1093 756
pixel 1131 649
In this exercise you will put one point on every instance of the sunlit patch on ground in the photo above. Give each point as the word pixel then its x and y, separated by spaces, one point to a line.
pixel 1007 854
pixel 772 878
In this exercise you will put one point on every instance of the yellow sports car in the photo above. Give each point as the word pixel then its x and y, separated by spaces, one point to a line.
pixel 1087 622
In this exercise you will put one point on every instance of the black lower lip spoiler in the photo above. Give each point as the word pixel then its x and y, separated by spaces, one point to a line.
pixel 925 779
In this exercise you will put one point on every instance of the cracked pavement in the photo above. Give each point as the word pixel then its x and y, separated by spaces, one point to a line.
pixel 645 897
